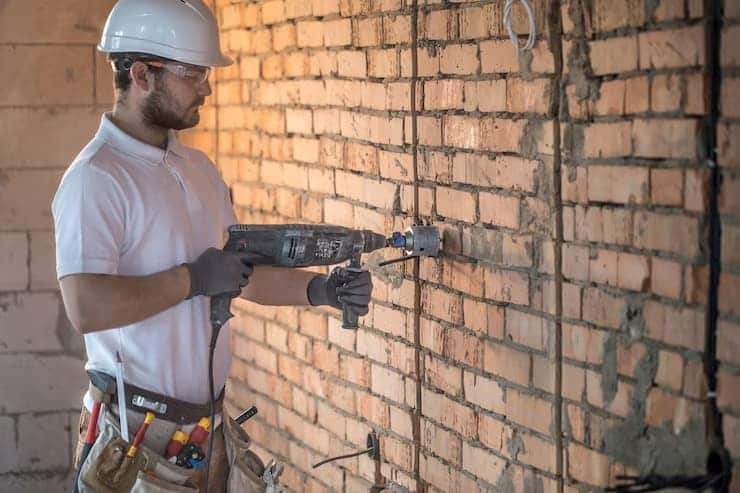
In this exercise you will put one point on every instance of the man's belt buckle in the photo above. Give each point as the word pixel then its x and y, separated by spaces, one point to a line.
pixel 154 406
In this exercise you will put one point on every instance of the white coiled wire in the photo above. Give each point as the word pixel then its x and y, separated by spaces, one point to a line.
pixel 508 5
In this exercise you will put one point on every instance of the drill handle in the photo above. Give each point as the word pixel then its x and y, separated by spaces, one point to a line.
pixel 220 309
pixel 350 318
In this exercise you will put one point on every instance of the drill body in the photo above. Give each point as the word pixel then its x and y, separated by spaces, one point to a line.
pixel 297 245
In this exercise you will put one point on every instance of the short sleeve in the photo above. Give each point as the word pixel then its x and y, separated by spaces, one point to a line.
pixel 89 219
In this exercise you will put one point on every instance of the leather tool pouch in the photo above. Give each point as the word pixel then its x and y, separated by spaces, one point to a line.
pixel 107 469
pixel 245 467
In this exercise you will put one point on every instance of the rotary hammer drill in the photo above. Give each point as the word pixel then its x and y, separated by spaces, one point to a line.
pixel 305 245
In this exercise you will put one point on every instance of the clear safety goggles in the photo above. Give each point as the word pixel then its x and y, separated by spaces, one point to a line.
pixel 196 75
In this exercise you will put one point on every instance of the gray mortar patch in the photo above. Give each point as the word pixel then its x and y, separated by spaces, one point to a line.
pixel 657 450
pixel 515 445
pixel 532 483
pixel 579 64
pixel 631 318
pixel 609 369
pixel 531 134
pixel 505 483
pixel 650 7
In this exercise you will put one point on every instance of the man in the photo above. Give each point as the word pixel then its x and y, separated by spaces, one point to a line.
pixel 140 220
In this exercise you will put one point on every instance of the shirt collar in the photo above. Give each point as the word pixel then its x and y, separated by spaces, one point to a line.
pixel 110 133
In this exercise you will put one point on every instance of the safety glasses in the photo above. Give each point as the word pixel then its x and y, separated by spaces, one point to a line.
pixel 192 73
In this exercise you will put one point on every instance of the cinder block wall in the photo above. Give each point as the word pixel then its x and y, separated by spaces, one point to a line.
pixel 54 88
pixel 570 189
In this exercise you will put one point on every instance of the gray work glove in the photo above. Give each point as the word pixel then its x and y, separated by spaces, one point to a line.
pixel 217 271
pixel 342 286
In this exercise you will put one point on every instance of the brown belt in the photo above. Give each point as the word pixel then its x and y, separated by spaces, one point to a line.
pixel 164 407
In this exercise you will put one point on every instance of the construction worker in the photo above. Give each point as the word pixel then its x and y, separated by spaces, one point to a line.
pixel 140 219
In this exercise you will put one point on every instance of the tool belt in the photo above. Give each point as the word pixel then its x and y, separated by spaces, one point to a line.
pixel 108 468
pixel 143 400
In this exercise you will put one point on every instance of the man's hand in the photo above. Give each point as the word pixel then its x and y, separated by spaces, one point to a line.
pixel 354 293
pixel 217 272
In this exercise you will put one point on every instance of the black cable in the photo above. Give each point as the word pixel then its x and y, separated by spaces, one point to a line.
pixel 345 456
pixel 215 329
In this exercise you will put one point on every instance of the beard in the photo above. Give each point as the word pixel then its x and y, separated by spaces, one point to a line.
pixel 160 109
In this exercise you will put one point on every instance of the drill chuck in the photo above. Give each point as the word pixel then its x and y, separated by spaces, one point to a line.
pixel 417 241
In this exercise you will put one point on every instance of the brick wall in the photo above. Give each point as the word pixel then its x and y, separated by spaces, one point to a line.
pixel 54 88
pixel 570 190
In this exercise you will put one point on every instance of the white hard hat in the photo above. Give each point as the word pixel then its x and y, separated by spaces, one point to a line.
pixel 182 30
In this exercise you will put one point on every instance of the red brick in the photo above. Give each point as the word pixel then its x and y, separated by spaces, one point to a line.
pixel 633 271
pixel 618 184
pixel 607 140
pixel 611 98
pixel 727 395
pixel 429 131
pixel 352 64
pixel 587 466
pixel 368 32
pixel 397 30
pixel 497 56
pixel 309 34
pixel 387 383
pixel 665 138
pixel 463 347
pixel 437 25
pixel 665 93
pixel 444 443
pixel 449 413
pixel 461 131
pixel 670 370
pixel 728 342
pixel 576 262
pixel 273 11
pixel 444 305
pixel 609 15
pixel 463 276
pixel 501 135
pixel 613 55
pixel 507 286
pixel 636 95
pixel 443 94
pixel 675 326
pixel 337 32
pixel 529 411
pixel 677 234
pixel 485 96
pixel 443 376
pixel 524 96
pixel 373 409
pixel 665 277
pixel 484 392
pixel 459 59
pixel 526 329
pixel 672 48
pixel 666 186
pixel 508 363
pixel 729 144
pixel 483 464
pixel 602 309
pixel 499 210
pixel 456 204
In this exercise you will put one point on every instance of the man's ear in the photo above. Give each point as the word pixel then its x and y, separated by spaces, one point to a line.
pixel 141 76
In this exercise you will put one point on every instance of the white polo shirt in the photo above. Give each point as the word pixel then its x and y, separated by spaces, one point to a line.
pixel 127 208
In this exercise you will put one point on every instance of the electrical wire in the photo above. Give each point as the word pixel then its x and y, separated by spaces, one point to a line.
pixel 508 6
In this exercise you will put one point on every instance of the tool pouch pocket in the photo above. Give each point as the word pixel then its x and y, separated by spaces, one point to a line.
pixel 245 467
pixel 107 468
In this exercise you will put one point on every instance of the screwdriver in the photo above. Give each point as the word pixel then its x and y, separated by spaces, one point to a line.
pixel 140 434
